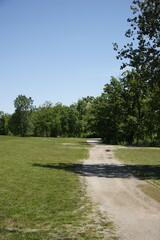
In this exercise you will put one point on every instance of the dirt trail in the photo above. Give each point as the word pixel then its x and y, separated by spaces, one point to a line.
pixel 136 215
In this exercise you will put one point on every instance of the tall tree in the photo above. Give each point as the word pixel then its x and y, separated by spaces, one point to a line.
pixel 4 119
pixel 121 111
pixel 2 124
pixel 20 122
pixel 85 116
pixel 109 110
pixel 143 49
pixel 143 54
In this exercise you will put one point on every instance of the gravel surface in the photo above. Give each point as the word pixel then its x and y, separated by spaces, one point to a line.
pixel 136 215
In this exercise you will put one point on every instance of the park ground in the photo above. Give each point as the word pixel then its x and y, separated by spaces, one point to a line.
pixel 65 188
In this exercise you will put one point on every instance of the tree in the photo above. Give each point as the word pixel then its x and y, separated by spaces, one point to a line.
pixel 143 54
pixel 20 122
pixel 110 112
pixel 73 121
pixel 143 50
pixel 2 130
pixel 85 116
pixel 122 109
pixel 42 118
pixel 4 119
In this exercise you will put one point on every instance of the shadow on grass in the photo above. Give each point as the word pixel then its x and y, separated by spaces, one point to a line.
pixel 108 171
pixel 7 230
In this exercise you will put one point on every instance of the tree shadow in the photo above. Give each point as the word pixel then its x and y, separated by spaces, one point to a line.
pixel 108 171
pixel 5 230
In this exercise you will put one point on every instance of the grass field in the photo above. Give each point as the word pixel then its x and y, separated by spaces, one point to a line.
pixel 144 163
pixel 39 198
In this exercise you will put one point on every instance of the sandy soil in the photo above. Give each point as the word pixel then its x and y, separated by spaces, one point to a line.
pixel 136 215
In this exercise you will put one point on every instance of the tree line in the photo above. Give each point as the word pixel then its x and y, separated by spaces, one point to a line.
pixel 48 120
pixel 127 111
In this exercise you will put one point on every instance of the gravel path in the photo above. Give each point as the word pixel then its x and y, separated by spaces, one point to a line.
pixel 136 215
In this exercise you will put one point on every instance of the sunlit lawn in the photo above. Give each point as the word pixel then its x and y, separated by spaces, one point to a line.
pixel 41 202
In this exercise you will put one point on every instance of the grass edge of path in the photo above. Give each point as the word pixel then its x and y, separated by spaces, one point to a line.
pixel 151 187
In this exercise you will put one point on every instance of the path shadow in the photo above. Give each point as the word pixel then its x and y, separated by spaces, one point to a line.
pixel 108 171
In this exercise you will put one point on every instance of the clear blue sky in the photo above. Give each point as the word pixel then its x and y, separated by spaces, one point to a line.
pixel 59 50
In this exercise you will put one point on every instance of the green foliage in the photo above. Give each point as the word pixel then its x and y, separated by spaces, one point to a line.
pixel 86 118
pixel 20 123
pixel 108 111
pixel 53 121
pixel 64 121
pixel 4 120
pixel 143 49
pixel 23 104
pixel 124 113
pixel 142 54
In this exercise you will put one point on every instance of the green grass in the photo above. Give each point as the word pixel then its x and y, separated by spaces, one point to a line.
pixel 39 198
pixel 139 156
pixel 144 163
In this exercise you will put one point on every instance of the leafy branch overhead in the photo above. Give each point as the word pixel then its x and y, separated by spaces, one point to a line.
pixel 142 51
